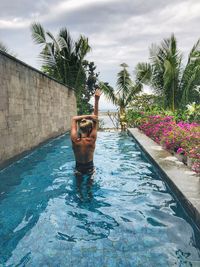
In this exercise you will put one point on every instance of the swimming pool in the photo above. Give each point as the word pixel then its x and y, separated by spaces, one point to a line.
pixel 124 216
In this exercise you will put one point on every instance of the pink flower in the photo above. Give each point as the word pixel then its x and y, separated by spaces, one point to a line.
pixel 180 150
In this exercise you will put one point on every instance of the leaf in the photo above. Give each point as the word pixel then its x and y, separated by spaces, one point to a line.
pixel 38 33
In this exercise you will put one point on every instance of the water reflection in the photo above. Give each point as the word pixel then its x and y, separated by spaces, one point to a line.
pixel 84 186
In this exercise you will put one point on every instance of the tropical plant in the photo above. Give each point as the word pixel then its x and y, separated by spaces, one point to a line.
pixel 125 92
pixel 176 84
pixel 63 59
pixel 193 112
pixel 5 49
pixel 144 102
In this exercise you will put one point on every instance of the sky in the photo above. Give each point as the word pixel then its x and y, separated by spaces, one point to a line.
pixel 118 30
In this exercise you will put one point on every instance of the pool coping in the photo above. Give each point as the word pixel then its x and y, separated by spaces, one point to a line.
pixel 183 182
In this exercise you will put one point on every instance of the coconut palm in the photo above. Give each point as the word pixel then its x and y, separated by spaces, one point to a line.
pixel 167 76
pixel 62 58
pixel 124 94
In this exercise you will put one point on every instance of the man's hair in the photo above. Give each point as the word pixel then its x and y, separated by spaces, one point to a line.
pixel 86 126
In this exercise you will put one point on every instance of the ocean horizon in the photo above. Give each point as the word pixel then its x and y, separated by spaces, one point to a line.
pixel 107 109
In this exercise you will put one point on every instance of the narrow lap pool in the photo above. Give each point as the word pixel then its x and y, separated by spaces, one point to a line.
pixel 124 216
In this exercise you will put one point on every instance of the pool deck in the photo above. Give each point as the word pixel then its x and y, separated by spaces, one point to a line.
pixel 183 182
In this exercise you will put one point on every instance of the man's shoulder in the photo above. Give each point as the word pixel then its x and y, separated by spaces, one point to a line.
pixel 88 140
pixel 83 139
pixel 76 140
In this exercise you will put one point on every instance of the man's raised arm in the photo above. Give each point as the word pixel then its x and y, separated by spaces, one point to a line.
pixel 96 102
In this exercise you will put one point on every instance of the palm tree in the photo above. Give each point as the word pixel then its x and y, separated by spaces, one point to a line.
pixel 124 94
pixel 62 57
pixel 190 81
pixel 167 76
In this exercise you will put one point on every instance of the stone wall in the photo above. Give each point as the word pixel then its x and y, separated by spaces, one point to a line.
pixel 33 107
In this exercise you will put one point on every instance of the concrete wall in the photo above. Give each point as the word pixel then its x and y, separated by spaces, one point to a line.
pixel 33 107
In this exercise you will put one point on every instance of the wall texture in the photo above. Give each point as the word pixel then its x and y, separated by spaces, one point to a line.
pixel 33 107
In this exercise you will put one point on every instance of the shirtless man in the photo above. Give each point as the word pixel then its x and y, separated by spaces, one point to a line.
pixel 83 141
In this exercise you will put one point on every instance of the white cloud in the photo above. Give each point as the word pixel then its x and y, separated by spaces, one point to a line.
pixel 182 12
pixel 72 5
pixel 15 23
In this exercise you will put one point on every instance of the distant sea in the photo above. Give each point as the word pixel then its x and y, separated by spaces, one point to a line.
pixel 107 122
pixel 106 110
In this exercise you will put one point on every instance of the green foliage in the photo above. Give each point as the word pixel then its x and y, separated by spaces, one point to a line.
pixel 135 117
pixel 5 49
pixel 63 59
pixel 89 88
pixel 176 84
pixel 145 102
pixel 193 112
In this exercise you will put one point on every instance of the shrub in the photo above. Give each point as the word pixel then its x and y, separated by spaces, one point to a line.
pixel 181 137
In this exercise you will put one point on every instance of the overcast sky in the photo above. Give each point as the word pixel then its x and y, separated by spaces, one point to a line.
pixel 118 30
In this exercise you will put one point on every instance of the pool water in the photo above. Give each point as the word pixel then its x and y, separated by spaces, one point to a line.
pixel 123 216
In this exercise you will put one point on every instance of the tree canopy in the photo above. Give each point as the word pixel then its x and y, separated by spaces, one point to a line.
pixel 64 59
pixel 166 74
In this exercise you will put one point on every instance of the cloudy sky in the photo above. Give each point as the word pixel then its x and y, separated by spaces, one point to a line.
pixel 118 30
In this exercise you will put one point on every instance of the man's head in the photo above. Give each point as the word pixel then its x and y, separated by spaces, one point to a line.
pixel 86 126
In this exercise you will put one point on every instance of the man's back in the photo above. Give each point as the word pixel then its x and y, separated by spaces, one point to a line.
pixel 83 148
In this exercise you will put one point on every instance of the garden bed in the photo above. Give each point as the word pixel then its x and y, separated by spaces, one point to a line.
pixel 182 139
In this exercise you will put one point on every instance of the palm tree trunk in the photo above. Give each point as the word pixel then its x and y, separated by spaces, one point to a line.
pixel 122 118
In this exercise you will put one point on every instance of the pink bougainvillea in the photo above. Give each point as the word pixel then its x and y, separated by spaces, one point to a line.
pixel 181 137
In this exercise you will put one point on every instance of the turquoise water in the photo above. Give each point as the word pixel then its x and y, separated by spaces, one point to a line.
pixel 123 216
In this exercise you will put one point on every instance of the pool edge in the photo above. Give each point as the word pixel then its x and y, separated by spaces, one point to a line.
pixel 184 183
pixel 19 156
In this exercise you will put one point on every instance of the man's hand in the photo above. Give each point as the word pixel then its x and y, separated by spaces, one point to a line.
pixel 97 93
pixel 93 117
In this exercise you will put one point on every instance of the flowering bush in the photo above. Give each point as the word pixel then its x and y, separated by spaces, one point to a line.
pixel 156 126
pixel 181 137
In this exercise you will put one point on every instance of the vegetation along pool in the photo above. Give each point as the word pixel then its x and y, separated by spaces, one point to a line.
pixel 124 216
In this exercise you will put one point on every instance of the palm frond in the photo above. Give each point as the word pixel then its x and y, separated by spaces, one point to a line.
pixel 124 82
pixel 192 79
pixel 62 43
pixel 5 49
pixel 194 53
pixel 69 43
pixel 143 72
pixel 82 47
pixel 38 33
pixel 108 92
pixel 56 44
pixel 137 88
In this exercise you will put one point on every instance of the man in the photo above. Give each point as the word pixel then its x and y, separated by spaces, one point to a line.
pixel 83 141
